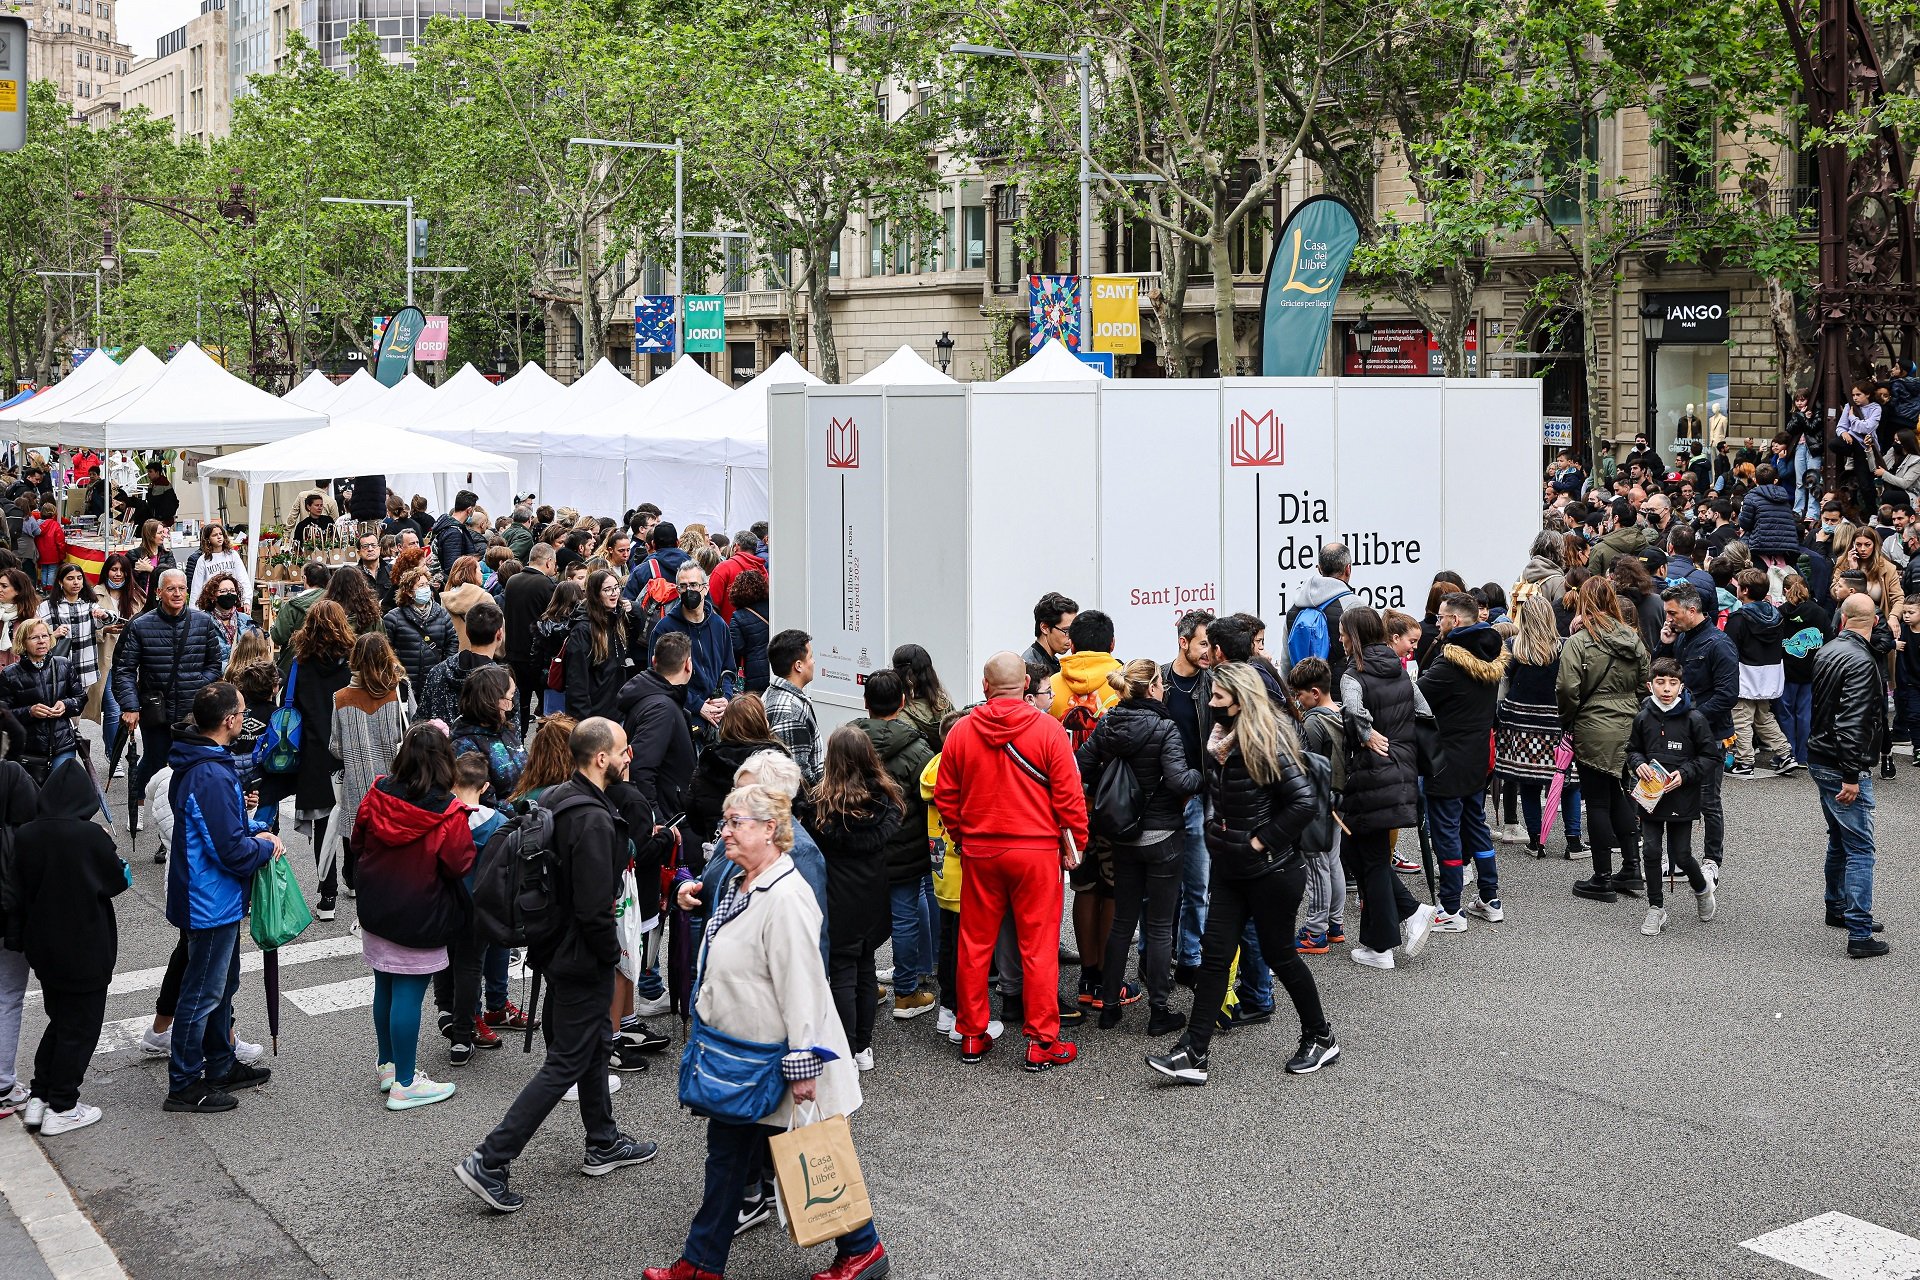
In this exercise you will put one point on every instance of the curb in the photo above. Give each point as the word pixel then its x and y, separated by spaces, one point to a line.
pixel 68 1241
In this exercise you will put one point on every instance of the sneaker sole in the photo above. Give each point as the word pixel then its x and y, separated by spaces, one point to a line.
pixel 192 1108
pixel 1177 1077
pixel 602 1170
pixel 904 1014
pixel 1327 1061
pixel 409 1104
pixel 46 1131
pixel 474 1185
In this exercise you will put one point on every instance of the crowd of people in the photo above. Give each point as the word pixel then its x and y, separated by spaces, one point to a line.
pixel 601 717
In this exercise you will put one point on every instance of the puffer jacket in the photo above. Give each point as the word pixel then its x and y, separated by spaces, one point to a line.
pixel 505 755
pixel 855 847
pixel 54 682
pixel 215 848
pixel 1678 740
pixel 440 700
pixel 421 644
pixel 903 754
pixel 1276 812
pixel 1143 733
pixel 1768 522
pixel 1382 792
pixel 163 659
pixel 414 852
pixel 593 688
pixel 1603 675
pixel 1463 688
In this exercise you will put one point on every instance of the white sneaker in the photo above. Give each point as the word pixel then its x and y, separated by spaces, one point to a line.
pixel 864 1059
pixel 15 1097
pixel 36 1113
pixel 386 1076
pixel 995 1029
pixel 423 1092
pixel 885 976
pixel 1444 922
pixel 157 1044
pixel 1415 931
pixel 56 1123
pixel 1707 901
pixel 120 770
pixel 1656 921
pixel 1371 958
pixel 653 1008
pixel 944 1022
pixel 1711 869
pixel 1491 912
pixel 246 1052
pixel 573 1091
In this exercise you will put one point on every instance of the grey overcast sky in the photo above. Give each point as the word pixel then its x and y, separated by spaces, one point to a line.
pixel 142 22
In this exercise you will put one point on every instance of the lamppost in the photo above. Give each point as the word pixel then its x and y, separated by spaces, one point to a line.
pixel 1363 341
pixel 679 148
pixel 83 275
pixel 943 350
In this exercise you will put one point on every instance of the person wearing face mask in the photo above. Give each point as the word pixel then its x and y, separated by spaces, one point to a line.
pixel 712 645
pixel 220 599
pixel 420 631
pixel 217 555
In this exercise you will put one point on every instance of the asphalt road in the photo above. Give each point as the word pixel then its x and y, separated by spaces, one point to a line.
pixel 1550 1096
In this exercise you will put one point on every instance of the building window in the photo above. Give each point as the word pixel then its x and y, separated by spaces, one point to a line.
pixel 883 105
pixel 1576 150
pixel 833 262
pixel 81 59
pixel 86 6
pixel 736 275
pixel 104 9
pixel 1690 152
pixel 877 248
pixel 973 236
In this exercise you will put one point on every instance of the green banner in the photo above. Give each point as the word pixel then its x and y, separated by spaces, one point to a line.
pixel 1310 258
pixel 706 322
pixel 396 345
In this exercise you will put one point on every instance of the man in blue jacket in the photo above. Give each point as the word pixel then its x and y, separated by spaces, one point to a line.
pixel 450 536
pixel 216 852
pixel 665 561
pixel 711 642
pixel 1710 667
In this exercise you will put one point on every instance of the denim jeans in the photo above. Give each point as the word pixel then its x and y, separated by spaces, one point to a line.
pixel 204 1016
pixel 495 971
pixel 1459 825
pixel 1713 815
pixel 1533 807
pixel 13 996
pixel 916 940
pixel 1849 850
pixel 1806 470
pixel 736 1157
pixel 1254 989
pixel 1797 704
pixel 1194 865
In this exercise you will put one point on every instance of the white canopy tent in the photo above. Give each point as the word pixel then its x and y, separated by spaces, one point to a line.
pixel 399 405
pixel 586 460
pixel 485 425
pixel 1054 363
pixel 464 394
pixel 343 448
pixel 904 368
pixel 528 433
pixel 193 403
pixel 38 420
pixel 356 393
pixel 315 391
pixel 711 465
pixel 95 373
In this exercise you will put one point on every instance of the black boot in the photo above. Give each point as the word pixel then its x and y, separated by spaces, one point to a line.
pixel 1597 888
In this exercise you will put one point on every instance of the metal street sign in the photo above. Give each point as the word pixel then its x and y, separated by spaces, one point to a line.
pixel 13 83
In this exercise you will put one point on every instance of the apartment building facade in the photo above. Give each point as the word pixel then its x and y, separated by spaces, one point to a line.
pixel 74 44
pixel 186 83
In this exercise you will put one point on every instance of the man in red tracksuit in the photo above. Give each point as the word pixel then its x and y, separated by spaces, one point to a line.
pixel 1007 787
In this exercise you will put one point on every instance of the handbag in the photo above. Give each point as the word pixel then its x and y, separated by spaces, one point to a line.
pixel 724 1077
pixel 822 1193
pixel 277 750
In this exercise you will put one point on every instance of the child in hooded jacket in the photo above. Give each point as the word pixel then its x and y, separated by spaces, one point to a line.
pixel 1669 733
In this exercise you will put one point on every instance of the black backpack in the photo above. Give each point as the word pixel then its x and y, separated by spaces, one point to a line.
pixel 1320 834
pixel 13 921
pixel 516 887
pixel 1118 805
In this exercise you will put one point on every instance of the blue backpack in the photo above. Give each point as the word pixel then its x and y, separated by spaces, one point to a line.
pixel 1309 636
pixel 277 749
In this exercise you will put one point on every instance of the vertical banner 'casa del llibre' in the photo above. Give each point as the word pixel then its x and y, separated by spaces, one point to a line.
pixel 1309 261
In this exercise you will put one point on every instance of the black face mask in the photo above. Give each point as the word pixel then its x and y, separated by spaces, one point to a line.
pixel 227 600
pixel 690 597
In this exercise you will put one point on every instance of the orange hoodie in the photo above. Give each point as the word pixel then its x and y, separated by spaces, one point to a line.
pixel 1081 674
pixel 990 801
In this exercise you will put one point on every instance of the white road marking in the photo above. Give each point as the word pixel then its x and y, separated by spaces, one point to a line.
pixel 1842 1248
pixel 137 980
pixel 334 997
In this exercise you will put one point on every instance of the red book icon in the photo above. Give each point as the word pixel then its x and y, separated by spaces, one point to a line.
pixel 843 445
pixel 1257 441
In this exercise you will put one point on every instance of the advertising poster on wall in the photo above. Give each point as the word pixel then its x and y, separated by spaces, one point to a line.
pixel 846 482
pixel 1278 489
pixel 1149 576
pixel 653 323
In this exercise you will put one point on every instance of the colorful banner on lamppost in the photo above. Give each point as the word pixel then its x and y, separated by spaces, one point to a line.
pixel 1310 257
pixel 653 324
pixel 1053 311
pixel 397 341
pixel 1116 315
pixel 706 322
pixel 432 347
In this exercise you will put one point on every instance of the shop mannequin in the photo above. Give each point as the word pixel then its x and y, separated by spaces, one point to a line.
pixel 1689 428
pixel 1717 423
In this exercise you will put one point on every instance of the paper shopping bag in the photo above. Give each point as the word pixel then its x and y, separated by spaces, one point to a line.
pixel 822 1195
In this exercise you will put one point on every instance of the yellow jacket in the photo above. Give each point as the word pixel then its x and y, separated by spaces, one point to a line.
pixel 1081 674
pixel 946 881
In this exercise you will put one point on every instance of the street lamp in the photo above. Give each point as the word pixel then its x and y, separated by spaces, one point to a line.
pixel 1653 321
pixel 82 275
pixel 679 148
pixel 1363 340
pixel 943 350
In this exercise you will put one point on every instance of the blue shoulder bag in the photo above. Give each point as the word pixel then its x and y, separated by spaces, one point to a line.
pixel 727 1078
pixel 277 750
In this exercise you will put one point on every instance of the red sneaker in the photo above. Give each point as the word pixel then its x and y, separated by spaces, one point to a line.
pixel 507 1015
pixel 870 1265
pixel 484 1036
pixel 974 1048
pixel 680 1270
pixel 1045 1057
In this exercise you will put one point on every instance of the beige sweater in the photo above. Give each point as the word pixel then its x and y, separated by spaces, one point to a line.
pixel 457 600
pixel 764 981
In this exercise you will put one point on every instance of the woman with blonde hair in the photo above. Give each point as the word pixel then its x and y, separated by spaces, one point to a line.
pixel 44 694
pixel 1141 734
pixel 252 647
pixel 1602 678
pixel 1261 800
pixel 1528 730
pixel 369 720
pixel 461 592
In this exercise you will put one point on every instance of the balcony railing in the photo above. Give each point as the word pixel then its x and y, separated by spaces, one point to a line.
pixel 1668 215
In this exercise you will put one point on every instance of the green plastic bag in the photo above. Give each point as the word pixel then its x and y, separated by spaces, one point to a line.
pixel 280 912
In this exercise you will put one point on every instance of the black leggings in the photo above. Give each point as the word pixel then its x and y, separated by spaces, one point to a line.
pixel 330 883
pixel 1679 839
pixel 1271 902
pixel 1385 900
pixel 169 997
pixel 1610 821
pixel 856 992
pixel 1146 894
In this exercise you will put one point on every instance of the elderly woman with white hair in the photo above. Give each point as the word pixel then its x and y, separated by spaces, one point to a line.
pixel 776 771
pixel 759 990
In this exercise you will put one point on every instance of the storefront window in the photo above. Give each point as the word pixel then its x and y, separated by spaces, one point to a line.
pixel 1689 371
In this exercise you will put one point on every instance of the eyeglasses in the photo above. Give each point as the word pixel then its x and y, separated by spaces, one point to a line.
pixel 734 822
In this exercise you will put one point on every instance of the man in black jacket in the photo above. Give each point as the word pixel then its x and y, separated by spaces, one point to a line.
pixel 451 538
pixel 527 595
pixel 1849 694
pixel 1462 685
pixel 166 656
pixel 578 962
pixel 652 705
pixel 379 577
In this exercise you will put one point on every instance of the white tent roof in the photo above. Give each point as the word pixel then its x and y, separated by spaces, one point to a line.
pixel 139 372
pixel 314 391
pixel 95 372
pixel 526 429
pixel 730 432
pixel 355 394
pixel 525 390
pixel 681 390
pixel 464 396
pixel 194 402
pixel 1054 363
pixel 904 368
pixel 345 447
pixel 401 405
